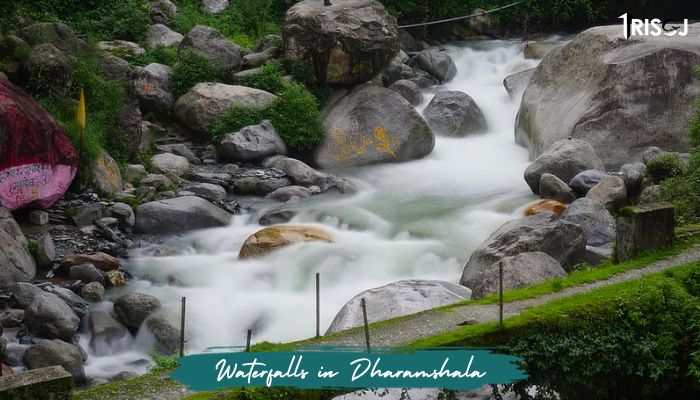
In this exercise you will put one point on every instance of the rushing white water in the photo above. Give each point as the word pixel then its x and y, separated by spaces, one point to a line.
pixel 419 219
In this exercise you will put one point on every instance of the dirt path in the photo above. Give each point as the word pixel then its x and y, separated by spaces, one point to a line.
pixel 432 323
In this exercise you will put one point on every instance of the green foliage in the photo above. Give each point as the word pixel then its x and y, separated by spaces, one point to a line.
pixel 295 116
pixel 303 72
pixel 236 118
pixel 695 119
pixel 269 79
pixel 683 191
pixel 192 68
pixel 163 363
pixel 161 55
pixel 33 247
pixel 665 166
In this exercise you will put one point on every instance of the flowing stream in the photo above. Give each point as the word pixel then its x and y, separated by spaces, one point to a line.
pixel 415 220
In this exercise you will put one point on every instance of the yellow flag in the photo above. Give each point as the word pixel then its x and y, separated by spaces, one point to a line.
pixel 80 113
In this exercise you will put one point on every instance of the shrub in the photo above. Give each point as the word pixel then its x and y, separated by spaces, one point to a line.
pixel 695 119
pixel 192 68
pixel 236 118
pixel 163 363
pixel 684 193
pixel 107 20
pixel 161 55
pixel 665 166
pixel 295 116
pixel 269 79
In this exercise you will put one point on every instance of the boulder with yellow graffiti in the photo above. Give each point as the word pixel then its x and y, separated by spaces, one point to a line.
pixel 371 125
pixel 274 237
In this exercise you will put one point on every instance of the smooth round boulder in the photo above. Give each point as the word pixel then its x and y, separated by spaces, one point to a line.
pixel 586 180
pixel 133 308
pixel 251 143
pixel 211 44
pixel 123 213
pixel 103 262
pixel 165 329
pixel 611 192
pixel 554 188
pixel 524 269
pixel 56 33
pixel 202 106
pixel 348 43
pixel 86 273
pixel 50 317
pixel 275 237
pixel 454 113
pixel 597 222
pixel 564 159
pixel 168 163
pixel 179 215
pixel 408 90
pixel 47 353
pixel 93 292
pixel 372 125
pixel 436 62
pixel 16 264
pixel 545 206
pixel 397 299
pixel 105 175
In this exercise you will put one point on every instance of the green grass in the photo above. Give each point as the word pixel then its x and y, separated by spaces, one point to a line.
pixel 151 383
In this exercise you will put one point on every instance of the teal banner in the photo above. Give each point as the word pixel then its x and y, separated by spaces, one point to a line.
pixel 315 368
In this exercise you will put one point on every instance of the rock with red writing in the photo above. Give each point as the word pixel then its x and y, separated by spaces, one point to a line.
pixel 37 161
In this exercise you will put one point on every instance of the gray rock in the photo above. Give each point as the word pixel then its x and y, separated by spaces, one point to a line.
pixel 408 90
pixel 85 214
pixel 56 33
pixel 407 40
pixel 214 6
pixel 372 125
pixel 396 71
pixel 47 64
pixel 47 353
pixel 16 264
pixel 438 63
pixel 24 293
pixel 203 105
pixel 165 329
pixel 563 240
pixel 162 11
pixel 564 159
pixel 267 42
pixel 45 251
pixel 168 163
pixel 538 51
pixel 208 191
pixel 586 180
pixel 123 376
pixel 105 331
pixel 11 227
pixel 554 188
pixel 650 195
pixel 610 192
pixel 153 90
pixel 105 174
pixel 252 185
pixel 180 149
pixel 276 217
pixel 213 45
pixel 180 214
pixel 524 269
pixel 252 143
pixel 93 292
pixel 397 299
pixel 254 60
pixel 123 213
pixel 134 173
pixel 633 175
pixel 651 153
pixel 122 48
pixel 11 318
pixel 593 82
pixel 50 317
pixel 133 308
pixel 157 181
pixel 349 43
pixel 76 303
pixel 160 35
pixel 303 175
pixel 516 83
pixel 454 113
pixel 597 222
pixel 86 273
pixel 287 193
pixel 642 228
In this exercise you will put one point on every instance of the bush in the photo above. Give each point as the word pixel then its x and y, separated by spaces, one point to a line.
pixel 269 79
pixel 295 116
pixel 163 363
pixel 161 55
pixel 683 192
pixel 695 119
pixel 192 68
pixel 665 166
pixel 236 118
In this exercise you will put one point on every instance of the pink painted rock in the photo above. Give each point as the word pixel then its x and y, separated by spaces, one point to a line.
pixel 37 161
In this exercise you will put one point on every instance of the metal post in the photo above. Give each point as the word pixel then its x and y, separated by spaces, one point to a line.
pixel 318 304
pixel 247 340
pixel 182 328
pixel 363 303
pixel 500 293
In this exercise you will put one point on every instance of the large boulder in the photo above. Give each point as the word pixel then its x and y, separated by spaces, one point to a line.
pixel 56 33
pixel 544 232
pixel 211 44
pixel 563 159
pixel 437 62
pixel 171 164
pixel 372 125
pixel 105 175
pixel 50 66
pixel 348 43
pixel 180 214
pixel 554 188
pixel 397 299
pixel 274 237
pixel 201 106
pixel 408 90
pixel 48 353
pixel 251 143
pixel 37 161
pixel 521 270
pixel 597 222
pixel 50 317
pixel 16 264
pixel 590 89
pixel 454 113
pixel 133 308
pixel 160 35
pixel 165 329
pixel 152 84
pixel 642 228
pixel 162 11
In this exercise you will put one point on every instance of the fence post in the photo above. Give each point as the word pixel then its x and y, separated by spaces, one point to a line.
pixel 318 304
pixel 500 293
pixel 247 340
pixel 363 303
pixel 182 328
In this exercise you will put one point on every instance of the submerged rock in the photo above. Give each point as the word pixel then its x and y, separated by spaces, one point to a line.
pixel 397 299
pixel 454 113
pixel 274 237
pixel 133 308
